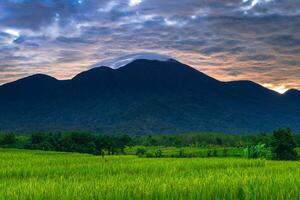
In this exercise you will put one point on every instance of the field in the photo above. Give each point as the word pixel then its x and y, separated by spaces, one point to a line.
pixel 194 151
pixel 187 151
pixel 28 174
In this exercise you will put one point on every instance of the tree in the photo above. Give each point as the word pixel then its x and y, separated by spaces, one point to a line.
pixel 283 145
pixel 124 141
pixel 151 141
pixel 219 141
pixel 8 139
pixel 38 138
pixel 225 152
pixel 181 153
pixel 158 153
pixel 215 153
pixel 141 151
pixel 209 153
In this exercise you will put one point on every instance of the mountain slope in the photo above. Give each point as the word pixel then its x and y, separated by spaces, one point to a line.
pixel 145 96
pixel 292 94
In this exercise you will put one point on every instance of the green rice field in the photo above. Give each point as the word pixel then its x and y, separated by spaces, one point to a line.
pixel 26 174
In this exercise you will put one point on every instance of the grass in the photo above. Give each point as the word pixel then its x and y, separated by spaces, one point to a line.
pixel 28 175
pixel 188 151
pixel 191 151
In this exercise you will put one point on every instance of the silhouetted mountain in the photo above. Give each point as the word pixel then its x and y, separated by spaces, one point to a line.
pixel 144 97
pixel 292 94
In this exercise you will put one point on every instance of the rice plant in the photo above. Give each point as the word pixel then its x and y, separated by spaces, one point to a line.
pixel 30 175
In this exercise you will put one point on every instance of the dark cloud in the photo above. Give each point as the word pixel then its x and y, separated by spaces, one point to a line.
pixel 70 40
pixel 284 40
pixel 258 57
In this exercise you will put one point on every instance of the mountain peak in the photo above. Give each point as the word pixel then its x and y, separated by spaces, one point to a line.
pixel 146 73
pixel 292 92
pixel 29 87
pixel 124 60
pixel 40 78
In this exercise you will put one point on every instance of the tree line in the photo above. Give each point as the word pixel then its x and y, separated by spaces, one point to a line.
pixel 70 142
pixel 282 142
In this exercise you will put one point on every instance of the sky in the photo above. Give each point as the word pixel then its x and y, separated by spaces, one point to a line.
pixel 257 40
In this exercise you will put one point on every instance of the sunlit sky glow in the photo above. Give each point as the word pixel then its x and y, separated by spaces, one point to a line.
pixel 258 40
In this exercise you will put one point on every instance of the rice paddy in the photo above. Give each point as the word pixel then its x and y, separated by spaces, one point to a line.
pixel 43 175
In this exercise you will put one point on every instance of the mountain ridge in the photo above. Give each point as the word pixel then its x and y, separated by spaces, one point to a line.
pixel 100 68
pixel 145 96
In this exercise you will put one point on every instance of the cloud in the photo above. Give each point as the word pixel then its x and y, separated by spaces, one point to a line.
pixel 228 39
pixel 133 3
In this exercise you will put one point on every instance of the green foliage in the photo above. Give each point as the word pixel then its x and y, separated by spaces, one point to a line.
pixel 141 151
pixel 204 139
pixel 209 153
pixel 201 139
pixel 187 151
pixel 181 153
pixel 214 153
pixel 8 139
pixel 256 151
pixel 79 142
pixel 182 145
pixel 225 152
pixel 283 145
pixel 158 153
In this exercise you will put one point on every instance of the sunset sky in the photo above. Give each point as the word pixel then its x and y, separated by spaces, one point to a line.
pixel 257 40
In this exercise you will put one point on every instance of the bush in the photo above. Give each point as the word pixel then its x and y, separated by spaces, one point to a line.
pixel 8 139
pixel 283 145
pixel 158 153
pixel 181 153
pixel 38 138
pixel 215 153
pixel 209 153
pixel 140 151
pixel 256 151
pixel 149 155
pixel 225 152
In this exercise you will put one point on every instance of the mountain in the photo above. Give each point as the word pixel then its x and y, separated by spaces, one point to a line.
pixel 121 61
pixel 144 96
pixel 292 94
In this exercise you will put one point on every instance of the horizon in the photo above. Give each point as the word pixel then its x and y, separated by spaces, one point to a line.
pixel 255 40
pixel 115 65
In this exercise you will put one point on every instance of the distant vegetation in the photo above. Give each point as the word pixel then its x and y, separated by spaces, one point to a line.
pixel 283 145
pixel 69 142
pixel 280 145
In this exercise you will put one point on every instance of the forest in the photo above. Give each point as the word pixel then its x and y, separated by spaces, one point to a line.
pixel 181 145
